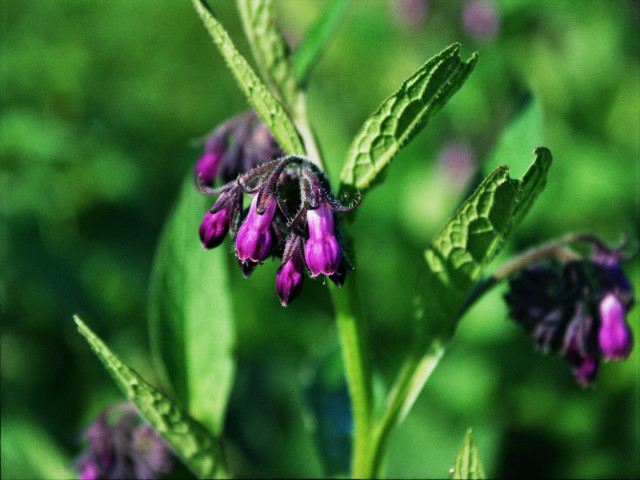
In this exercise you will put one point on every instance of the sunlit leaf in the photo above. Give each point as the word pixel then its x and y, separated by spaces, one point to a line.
pixel 403 115
pixel 455 259
pixel 473 236
pixel 316 38
pixel 269 109
pixel 468 465
pixel 191 324
pixel 270 49
pixel 189 439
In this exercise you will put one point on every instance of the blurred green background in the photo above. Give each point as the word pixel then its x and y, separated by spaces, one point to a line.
pixel 101 102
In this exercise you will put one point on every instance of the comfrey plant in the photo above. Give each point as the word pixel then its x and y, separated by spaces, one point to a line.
pixel 572 304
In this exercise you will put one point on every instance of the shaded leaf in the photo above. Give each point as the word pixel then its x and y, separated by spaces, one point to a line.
pixel 316 38
pixel 189 439
pixel 403 115
pixel 270 49
pixel 468 464
pixel 191 320
pixel 268 108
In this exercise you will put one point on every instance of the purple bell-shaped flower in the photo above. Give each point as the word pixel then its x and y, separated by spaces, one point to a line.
pixel 254 236
pixel 614 336
pixel 322 251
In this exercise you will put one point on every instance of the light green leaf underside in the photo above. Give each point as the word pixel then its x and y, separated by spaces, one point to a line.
pixel 270 49
pixel 189 439
pixel 316 38
pixel 190 313
pixel 268 108
pixel 403 115
pixel 468 465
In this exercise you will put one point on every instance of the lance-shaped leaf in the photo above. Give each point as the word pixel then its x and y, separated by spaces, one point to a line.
pixel 403 115
pixel 316 38
pixel 269 109
pixel 190 440
pixel 270 50
pixel 473 236
pixel 190 314
pixel 468 465
pixel 454 262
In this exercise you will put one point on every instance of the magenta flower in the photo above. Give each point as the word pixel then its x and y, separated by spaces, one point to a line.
pixel 322 251
pixel 207 166
pixel 614 336
pixel 214 228
pixel 290 275
pixel 254 237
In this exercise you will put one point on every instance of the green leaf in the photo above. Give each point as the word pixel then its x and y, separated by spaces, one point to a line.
pixel 268 108
pixel 459 252
pixel 190 313
pixel 468 464
pixel 403 115
pixel 316 38
pixel 189 439
pixel 270 50
pixel 29 452
pixel 454 262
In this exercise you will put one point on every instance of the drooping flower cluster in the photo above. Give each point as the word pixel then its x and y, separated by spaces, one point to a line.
pixel 291 217
pixel 123 447
pixel 577 309
pixel 236 146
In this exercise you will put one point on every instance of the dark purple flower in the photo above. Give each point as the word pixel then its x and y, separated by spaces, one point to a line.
pixel 322 251
pixel 235 147
pixel 614 336
pixel 253 241
pixel 578 312
pixel 214 228
pixel 206 167
pixel 290 275
pixel 480 19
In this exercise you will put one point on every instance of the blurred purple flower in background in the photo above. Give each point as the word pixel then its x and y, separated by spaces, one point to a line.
pixel 121 445
pixel 457 163
pixel 481 20
pixel 409 13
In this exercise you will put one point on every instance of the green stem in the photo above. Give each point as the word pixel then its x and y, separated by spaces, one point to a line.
pixel 414 374
pixel 352 332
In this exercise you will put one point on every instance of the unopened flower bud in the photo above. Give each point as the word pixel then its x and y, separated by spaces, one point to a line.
pixel 207 166
pixel 614 336
pixel 290 275
pixel 254 236
pixel 322 251
pixel 214 228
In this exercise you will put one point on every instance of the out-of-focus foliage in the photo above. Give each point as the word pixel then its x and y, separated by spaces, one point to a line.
pixel 100 104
